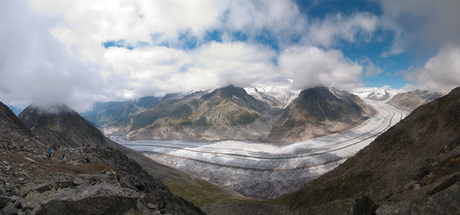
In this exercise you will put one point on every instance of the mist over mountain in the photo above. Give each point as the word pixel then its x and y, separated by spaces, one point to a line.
pixel 111 113
pixel 62 126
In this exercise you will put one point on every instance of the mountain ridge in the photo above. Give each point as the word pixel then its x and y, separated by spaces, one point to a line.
pixel 224 113
pixel 319 111
pixel 417 157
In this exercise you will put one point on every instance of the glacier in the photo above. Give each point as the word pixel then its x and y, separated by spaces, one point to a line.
pixel 267 170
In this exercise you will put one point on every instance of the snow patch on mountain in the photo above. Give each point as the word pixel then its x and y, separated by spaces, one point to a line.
pixel 377 93
pixel 276 94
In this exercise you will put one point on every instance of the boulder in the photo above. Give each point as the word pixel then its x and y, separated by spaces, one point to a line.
pixel 10 209
pixel 97 199
pixel 4 200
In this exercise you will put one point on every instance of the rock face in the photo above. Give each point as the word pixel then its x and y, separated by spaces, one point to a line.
pixel 412 167
pixel 318 111
pixel 14 135
pixel 106 183
pixel 410 100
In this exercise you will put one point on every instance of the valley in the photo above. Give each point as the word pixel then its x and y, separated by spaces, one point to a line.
pixel 263 170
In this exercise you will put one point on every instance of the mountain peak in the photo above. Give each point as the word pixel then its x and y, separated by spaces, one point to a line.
pixel 226 93
pixel 63 123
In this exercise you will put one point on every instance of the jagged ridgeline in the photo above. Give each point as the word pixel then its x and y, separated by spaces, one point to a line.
pixel 231 113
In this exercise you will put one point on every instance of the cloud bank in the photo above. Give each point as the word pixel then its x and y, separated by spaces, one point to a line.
pixel 80 51
pixel 35 67
pixel 440 73
pixel 425 27
pixel 310 66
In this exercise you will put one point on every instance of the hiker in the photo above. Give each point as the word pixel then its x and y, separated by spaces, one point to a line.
pixel 64 159
pixel 49 152
pixel 87 160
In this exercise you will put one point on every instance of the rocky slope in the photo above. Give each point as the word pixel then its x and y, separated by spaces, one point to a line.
pixel 225 113
pixel 32 183
pixel 410 100
pixel 413 168
pixel 318 111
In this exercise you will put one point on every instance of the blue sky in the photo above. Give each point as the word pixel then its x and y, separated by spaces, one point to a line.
pixel 79 52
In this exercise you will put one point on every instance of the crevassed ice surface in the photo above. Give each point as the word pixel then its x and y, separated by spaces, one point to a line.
pixel 263 170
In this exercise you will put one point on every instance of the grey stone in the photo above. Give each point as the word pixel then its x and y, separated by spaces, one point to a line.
pixel 152 206
pixel 78 181
pixel 43 187
pixel 129 212
pixel 10 209
pixel 30 159
pixel 4 200
pixel 2 189
pixel 97 199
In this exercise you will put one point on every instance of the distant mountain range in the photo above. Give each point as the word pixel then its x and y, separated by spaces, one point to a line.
pixel 109 114
pixel 270 113
pixel 410 100
pixel 232 113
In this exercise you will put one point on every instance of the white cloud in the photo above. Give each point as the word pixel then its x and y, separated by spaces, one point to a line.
pixel 159 70
pixel 370 68
pixel 35 67
pixel 440 73
pixel 332 29
pixel 250 16
pixel 311 66
pixel 421 25
pixel 69 63
pixel 425 27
